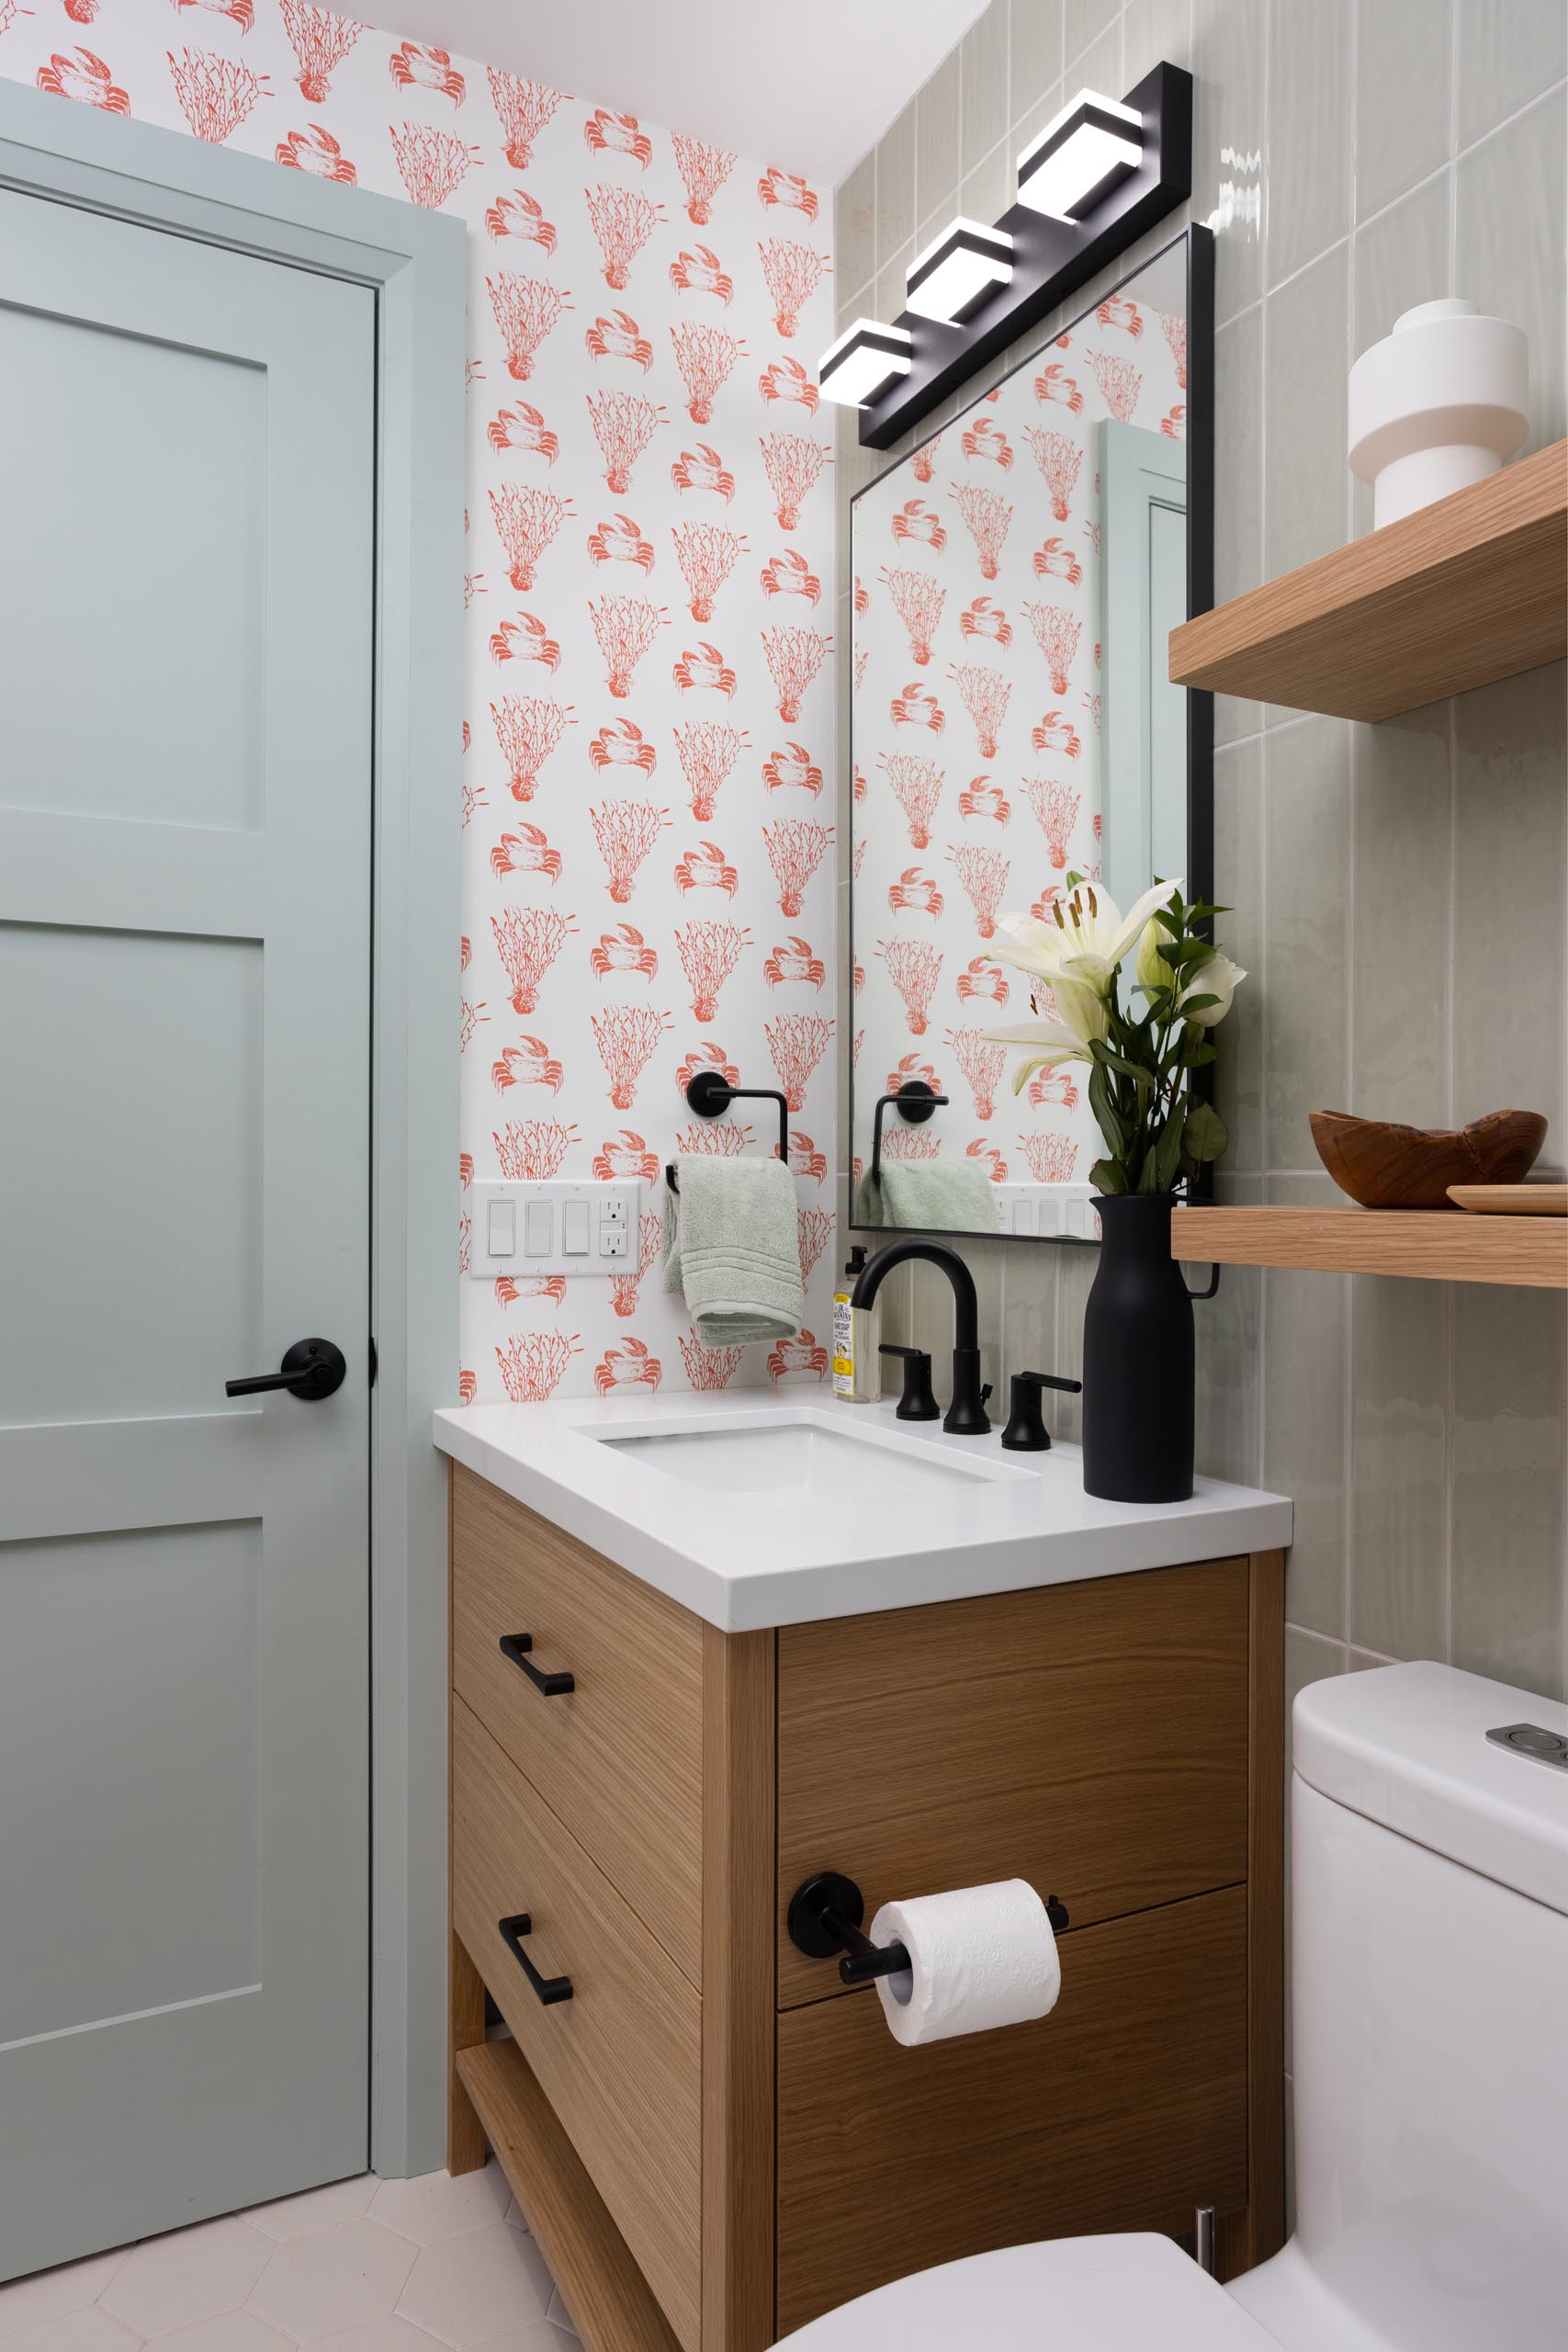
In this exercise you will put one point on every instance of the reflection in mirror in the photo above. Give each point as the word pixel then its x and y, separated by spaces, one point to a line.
pixel 1015 581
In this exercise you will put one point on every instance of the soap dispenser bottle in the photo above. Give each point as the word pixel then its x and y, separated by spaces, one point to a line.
pixel 857 1367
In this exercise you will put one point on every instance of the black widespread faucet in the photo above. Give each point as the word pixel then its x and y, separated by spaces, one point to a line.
pixel 967 1416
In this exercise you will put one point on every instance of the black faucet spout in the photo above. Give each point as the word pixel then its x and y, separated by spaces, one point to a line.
pixel 967 1416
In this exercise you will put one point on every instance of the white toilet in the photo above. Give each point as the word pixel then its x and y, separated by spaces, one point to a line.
pixel 1430 1945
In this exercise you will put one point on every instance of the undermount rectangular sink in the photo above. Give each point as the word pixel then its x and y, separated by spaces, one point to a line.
pixel 800 1461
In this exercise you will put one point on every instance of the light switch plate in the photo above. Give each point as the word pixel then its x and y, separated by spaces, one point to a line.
pixel 1043 1210
pixel 604 1225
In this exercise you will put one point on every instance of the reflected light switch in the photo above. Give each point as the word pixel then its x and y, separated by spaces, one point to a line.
pixel 503 1228
pixel 574 1230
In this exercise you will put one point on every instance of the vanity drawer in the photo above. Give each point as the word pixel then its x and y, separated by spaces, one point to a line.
pixel 1091 1738
pixel 1124 2109
pixel 620 1757
pixel 620 2060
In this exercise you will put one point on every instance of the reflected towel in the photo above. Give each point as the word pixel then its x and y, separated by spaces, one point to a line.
pixel 732 1245
pixel 931 1195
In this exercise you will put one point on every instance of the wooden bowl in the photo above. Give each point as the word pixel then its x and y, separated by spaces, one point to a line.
pixel 1387 1166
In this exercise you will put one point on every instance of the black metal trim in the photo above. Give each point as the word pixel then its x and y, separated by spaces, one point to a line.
pixel 1050 259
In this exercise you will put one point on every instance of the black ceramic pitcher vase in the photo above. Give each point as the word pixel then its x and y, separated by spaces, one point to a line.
pixel 1137 1358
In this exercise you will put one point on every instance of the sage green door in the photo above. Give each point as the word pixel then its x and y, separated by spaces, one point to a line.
pixel 186 439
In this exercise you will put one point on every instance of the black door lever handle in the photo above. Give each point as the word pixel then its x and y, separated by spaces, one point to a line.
pixel 311 1369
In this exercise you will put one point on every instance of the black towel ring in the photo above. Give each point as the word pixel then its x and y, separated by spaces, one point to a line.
pixel 710 1095
pixel 915 1102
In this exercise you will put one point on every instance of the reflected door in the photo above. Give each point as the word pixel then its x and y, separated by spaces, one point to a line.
pixel 185 509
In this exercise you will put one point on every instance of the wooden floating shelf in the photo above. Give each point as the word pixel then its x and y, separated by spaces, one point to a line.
pixel 1470 589
pixel 1438 1245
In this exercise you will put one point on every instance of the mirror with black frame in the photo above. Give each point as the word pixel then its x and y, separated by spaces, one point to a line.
pixel 1012 727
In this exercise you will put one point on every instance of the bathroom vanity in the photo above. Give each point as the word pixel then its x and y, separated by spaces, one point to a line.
pixel 704 1649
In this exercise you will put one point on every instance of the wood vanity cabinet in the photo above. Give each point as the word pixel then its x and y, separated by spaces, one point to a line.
pixel 713 2139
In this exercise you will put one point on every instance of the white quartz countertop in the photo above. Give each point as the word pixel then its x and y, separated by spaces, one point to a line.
pixel 876 1523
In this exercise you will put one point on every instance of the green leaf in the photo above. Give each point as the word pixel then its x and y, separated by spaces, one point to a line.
pixel 1142 1079
pixel 1148 1175
pixel 1108 1176
pixel 1111 1125
pixel 1206 1135
pixel 1195 1056
pixel 1196 1005
pixel 1167 1151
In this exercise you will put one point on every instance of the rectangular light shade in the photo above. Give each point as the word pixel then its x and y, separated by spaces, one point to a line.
pixel 866 357
pixel 957 271
pixel 1079 157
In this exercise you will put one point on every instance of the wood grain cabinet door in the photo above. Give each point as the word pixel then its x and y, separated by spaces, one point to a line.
pixel 1122 2110
pixel 1091 1738
pixel 619 1756
pixel 621 2060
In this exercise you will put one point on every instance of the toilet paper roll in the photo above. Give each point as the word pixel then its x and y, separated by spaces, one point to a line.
pixel 979 1957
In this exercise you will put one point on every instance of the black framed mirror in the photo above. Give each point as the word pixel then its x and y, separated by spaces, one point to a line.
pixel 1015 577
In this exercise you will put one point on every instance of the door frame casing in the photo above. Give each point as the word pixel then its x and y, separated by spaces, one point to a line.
pixel 415 262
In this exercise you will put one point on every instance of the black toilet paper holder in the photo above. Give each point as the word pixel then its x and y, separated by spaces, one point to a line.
pixel 825 1914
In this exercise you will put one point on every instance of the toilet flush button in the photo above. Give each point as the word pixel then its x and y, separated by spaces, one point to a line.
pixel 1535 1741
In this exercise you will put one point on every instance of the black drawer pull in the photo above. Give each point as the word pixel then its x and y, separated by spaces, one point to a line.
pixel 548 1988
pixel 516 1647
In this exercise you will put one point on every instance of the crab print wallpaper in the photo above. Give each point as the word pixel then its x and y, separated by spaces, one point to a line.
pixel 976 728
pixel 644 782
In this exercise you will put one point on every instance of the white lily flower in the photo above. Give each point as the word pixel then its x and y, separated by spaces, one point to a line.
pixel 1218 978
pixel 1085 938
pixel 1046 1043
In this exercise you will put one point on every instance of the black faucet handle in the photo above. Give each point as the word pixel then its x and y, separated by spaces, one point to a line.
pixel 916 1402
pixel 1026 1431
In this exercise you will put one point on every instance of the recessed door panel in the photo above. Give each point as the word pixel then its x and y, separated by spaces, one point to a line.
pixel 130 1232
pixel 148 528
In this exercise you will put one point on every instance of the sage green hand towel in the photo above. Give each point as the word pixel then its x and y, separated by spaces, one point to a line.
pixel 930 1195
pixel 732 1244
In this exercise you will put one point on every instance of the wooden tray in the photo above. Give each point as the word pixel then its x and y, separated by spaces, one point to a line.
pixel 1512 1200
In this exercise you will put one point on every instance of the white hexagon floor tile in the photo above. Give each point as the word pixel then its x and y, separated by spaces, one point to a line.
pixel 433 2264
pixel 437 2206
pixel 53 2294
pixel 88 2330
pixel 333 2279
pixel 468 2288
pixel 170 2282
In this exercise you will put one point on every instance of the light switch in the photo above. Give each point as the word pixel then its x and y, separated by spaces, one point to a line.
pixel 574 1230
pixel 503 1228
pixel 538 1223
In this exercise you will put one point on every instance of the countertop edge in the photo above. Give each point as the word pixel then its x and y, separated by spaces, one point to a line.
pixel 828 1590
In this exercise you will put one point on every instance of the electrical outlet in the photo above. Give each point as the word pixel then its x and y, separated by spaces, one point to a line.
pixel 550 1230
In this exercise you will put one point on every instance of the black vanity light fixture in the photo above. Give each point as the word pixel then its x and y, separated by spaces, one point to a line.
pixel 1099 174
pixel 957 271
pixel 865 358
pixel 1084 152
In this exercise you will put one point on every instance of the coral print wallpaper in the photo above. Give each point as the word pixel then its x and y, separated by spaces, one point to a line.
pixel 976 730
pixel 646 745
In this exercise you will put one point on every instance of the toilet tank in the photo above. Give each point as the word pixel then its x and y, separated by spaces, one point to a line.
pixel 1429 2054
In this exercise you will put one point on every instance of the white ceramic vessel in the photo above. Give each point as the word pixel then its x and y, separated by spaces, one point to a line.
pixel 1438 404
pixel 1430 1939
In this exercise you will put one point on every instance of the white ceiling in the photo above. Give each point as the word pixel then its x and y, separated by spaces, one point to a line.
pixel 808 84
